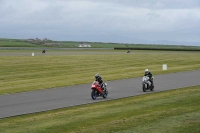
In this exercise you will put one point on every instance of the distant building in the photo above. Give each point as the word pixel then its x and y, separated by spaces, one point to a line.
pixel 30 40
pixel 84 45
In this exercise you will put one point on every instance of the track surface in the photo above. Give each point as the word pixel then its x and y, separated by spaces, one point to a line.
pixel 42 100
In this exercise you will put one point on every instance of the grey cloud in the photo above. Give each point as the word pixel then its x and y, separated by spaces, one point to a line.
pixel 162 4
pixel 101 20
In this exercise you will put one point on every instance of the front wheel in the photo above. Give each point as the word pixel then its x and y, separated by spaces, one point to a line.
pixel 144 88
pixel 94 94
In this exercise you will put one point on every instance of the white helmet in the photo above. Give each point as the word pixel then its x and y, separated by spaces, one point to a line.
pixel 146 70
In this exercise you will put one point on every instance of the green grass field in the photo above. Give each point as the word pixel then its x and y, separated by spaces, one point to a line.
pixel 168 112
pixel 175 111
pixel 73 44
pixel 57 69
pixel 16 44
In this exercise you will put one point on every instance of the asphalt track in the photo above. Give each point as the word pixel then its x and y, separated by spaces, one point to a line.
pixel 43 100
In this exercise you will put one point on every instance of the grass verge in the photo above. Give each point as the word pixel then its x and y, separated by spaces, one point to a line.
pixel 169 111
pixel 26 73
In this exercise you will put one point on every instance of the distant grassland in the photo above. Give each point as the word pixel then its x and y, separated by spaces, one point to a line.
pixel 16 44
pixel 174 111
pixel 55 69
pixel 71 44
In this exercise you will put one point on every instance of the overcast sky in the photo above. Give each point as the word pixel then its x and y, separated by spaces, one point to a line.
pixel 101 20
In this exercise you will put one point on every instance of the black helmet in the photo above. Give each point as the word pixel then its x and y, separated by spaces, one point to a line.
pixel 97 76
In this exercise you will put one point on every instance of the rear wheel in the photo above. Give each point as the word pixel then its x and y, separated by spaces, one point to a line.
pixel 152 87
pixel 93 94
pixel 144 88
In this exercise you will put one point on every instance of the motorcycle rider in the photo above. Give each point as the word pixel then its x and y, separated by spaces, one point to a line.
pixel 150 75
pixel 43 51
pixel 99 79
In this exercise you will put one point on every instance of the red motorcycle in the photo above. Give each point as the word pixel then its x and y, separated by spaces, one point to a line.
pixel 98 91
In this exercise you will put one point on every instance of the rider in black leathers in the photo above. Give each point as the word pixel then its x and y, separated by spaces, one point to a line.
pixel 43 51
pixel 99 79
pixel 150 75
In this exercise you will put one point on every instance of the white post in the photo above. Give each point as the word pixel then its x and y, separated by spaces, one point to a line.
pixel 164 67
pixel 32 54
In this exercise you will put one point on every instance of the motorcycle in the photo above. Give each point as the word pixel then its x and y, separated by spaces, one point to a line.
pixel 146 84
pixel 98 91
pixel 43 51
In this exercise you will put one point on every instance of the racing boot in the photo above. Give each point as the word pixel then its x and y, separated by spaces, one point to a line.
pixel 103 88
pixel 152 84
